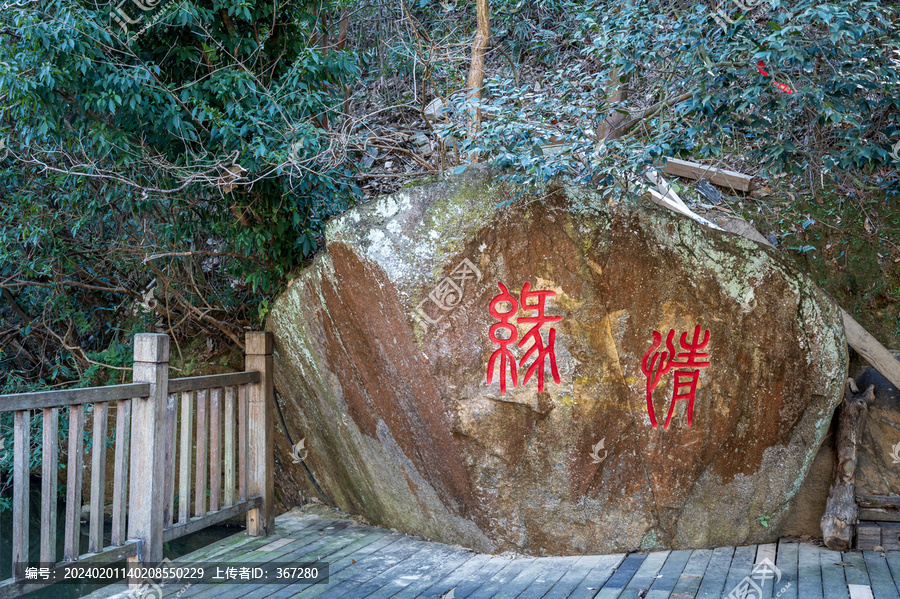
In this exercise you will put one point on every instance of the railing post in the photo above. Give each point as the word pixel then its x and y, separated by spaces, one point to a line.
pixel 148 419
pixel 260 433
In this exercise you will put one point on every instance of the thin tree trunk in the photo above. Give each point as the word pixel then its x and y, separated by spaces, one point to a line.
pixel 479 48
pixel 342 36
pixel 840 517
pixel 610 127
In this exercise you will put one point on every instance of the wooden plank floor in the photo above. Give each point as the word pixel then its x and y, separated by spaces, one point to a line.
pixel 368 562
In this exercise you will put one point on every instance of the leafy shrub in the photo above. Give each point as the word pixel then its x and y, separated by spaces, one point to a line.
pixel 160 179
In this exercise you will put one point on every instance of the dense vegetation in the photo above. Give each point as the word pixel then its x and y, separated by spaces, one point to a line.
pixel 170 174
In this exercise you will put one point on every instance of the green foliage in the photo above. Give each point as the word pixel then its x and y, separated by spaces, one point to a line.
pixel 160 181
pixel 839 59
pixel 543 30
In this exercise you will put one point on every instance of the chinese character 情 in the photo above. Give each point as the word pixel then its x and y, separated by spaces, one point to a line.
pixel 686 364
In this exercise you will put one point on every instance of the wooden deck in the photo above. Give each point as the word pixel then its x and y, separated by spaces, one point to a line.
pixel 375 563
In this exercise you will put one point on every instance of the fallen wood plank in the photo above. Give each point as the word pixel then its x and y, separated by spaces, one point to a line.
pixel 840 517
pixel 716 176
pixel 868 536
pixel 739 226
pixel 870 349
pixel 658 198
pixel 878 515
pixel 878 501
pixel 890 535
pixel 665 196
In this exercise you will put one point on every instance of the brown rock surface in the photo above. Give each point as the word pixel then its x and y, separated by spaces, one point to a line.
pixel 382 352
pixel 878 470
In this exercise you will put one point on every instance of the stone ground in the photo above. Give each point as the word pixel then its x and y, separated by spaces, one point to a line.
pixel 376 563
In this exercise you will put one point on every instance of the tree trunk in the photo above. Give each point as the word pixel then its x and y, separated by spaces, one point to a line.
pixel 342 36
pixel 479 48
pixel 610 128
pixel 840 517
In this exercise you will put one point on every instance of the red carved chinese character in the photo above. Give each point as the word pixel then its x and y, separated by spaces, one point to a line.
pixel 662 367
pixel 688 378
pixel 543 352
pixel 503 353
pixel 686 375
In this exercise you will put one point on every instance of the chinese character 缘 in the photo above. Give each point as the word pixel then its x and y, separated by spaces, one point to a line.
pixel 504 356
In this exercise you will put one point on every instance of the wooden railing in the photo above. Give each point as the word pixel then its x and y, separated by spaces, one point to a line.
pixel 222 426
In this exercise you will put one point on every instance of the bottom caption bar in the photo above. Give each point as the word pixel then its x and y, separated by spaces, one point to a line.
pixel 195 573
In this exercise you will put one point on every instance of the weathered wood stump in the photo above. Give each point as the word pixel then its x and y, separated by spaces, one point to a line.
pixel 841 511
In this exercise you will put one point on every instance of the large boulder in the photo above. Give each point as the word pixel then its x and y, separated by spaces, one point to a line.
pixel 393 360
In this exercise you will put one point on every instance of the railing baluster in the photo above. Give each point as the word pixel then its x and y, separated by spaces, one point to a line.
pixel 120 476
pixel 184 454
pixel 148 425
pixel 169 477
pixel 21 480
pixel 98 477
pixel 49 479
pixel 261 433
pixel 215 449
pixel 242 442
pixel 202 454
pixel 228 497
pixel 71 545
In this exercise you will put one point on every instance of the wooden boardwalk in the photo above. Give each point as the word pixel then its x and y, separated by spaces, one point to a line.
pixel 375 563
